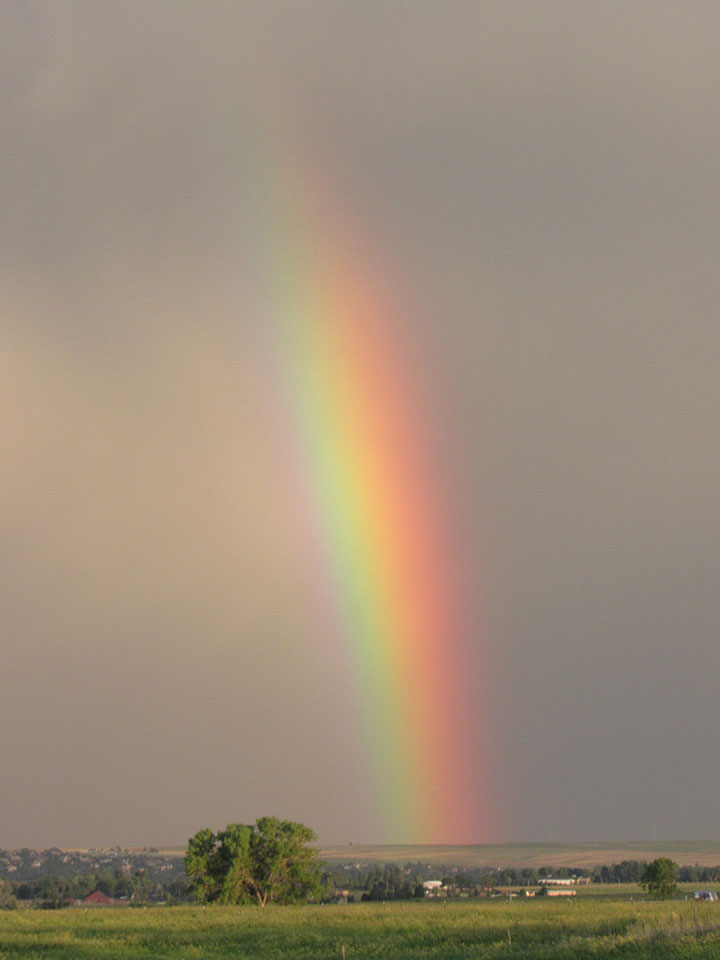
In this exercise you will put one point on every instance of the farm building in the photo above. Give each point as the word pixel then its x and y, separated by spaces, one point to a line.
pixel 558 892
pixel 433 888
pixel 97 896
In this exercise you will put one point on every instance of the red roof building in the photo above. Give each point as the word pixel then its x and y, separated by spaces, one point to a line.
pixel 97 896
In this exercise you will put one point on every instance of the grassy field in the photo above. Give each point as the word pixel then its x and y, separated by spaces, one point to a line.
pixel 590 928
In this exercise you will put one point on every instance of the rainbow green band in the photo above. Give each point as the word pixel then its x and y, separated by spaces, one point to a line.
pixel 377 539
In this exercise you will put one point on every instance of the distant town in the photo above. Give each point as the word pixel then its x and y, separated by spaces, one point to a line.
pixel 50 878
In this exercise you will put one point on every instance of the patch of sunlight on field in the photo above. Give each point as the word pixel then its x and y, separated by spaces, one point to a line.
pixel 576 930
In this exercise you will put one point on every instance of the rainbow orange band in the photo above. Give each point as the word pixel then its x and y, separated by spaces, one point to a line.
pixel 386 559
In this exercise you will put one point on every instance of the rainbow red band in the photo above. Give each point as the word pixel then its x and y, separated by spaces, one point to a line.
pixel 380 528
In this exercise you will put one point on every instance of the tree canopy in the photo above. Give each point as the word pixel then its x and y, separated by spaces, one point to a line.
pixel 7 898
pixel 267 861
pixel 660 878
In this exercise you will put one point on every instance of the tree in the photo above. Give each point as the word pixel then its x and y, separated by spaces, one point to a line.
pixel 660 878
pixel 201 865
pixel 7 898
pixel 269 861
pixel 141 888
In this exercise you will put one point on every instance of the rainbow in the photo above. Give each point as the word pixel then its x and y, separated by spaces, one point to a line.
pixel 379 546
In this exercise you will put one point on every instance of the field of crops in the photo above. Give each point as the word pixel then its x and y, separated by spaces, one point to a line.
pixel 402 931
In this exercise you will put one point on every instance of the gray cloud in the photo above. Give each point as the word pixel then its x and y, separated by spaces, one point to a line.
pixel 539 181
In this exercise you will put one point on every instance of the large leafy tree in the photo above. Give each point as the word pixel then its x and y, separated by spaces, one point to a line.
pixel 660 878
pixel 201 865
pixel 269 861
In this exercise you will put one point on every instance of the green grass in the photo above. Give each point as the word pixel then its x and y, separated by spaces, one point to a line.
pixel 590 928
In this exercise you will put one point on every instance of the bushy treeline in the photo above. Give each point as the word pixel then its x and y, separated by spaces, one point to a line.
pixel 395 882
pixel 54 877
pixel 631 871
pixel 698 874
pixel 54 891
pixel 392 883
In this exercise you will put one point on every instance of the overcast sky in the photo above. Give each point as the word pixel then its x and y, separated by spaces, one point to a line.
pixel 540 182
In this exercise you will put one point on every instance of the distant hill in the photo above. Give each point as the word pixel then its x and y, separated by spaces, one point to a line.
pixel 684 852
pixel 706 853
